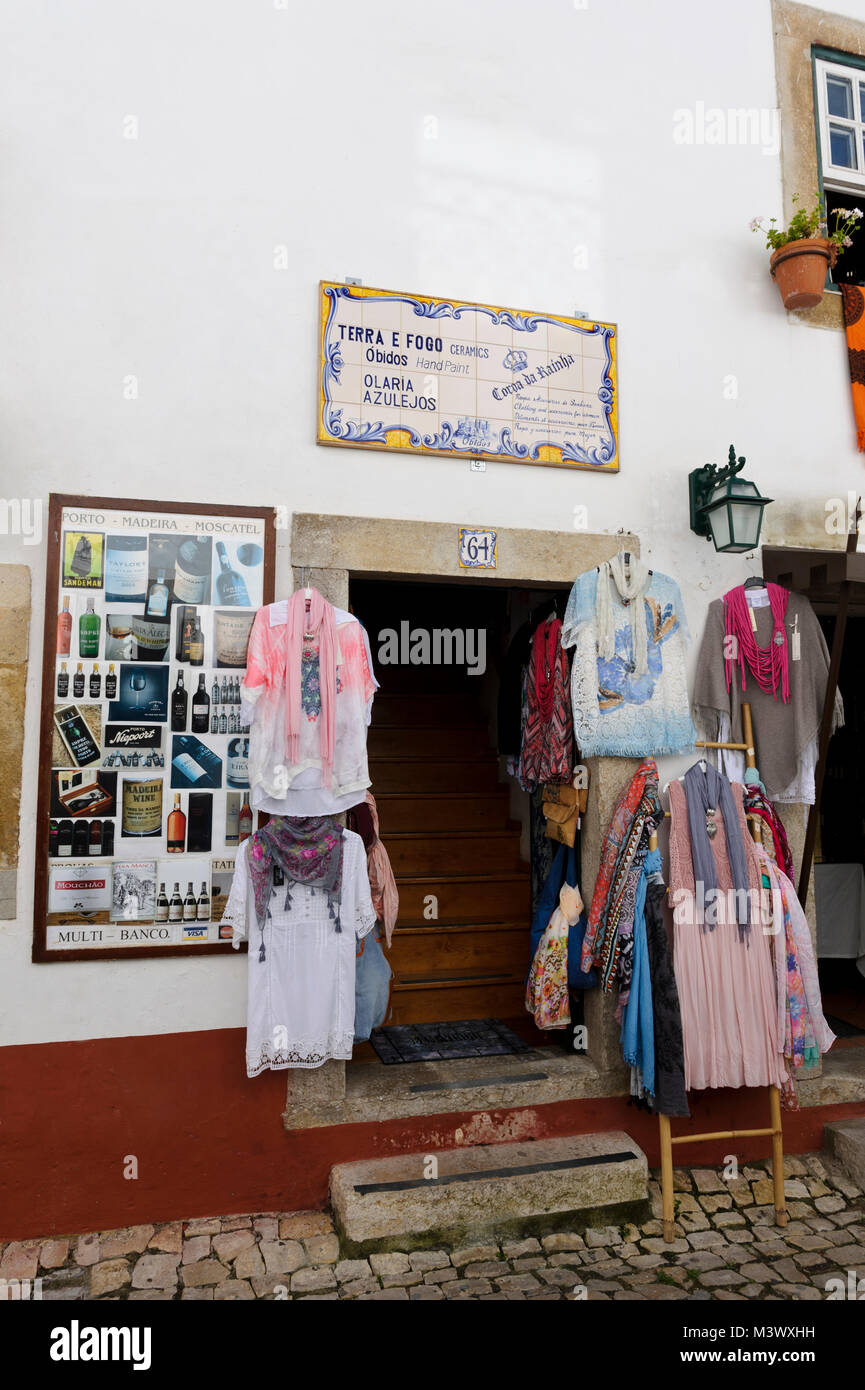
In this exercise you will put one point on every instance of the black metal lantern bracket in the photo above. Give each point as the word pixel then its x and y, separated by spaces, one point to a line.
pixel 703 482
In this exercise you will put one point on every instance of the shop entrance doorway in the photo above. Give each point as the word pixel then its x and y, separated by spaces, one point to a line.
pixel 457 828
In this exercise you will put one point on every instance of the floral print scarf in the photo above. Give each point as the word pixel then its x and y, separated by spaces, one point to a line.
pixel 308 850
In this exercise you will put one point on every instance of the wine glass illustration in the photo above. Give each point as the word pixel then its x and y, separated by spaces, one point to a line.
pixel 137 683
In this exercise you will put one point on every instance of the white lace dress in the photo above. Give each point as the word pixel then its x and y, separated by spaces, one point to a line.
pixel 300 1008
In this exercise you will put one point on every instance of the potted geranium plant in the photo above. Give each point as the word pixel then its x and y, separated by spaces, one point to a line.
pixel 802 254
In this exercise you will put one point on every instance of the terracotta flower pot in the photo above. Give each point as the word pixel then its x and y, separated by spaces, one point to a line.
pixel 799 270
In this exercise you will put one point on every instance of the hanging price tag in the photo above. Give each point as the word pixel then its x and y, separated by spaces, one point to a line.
pixel 796 644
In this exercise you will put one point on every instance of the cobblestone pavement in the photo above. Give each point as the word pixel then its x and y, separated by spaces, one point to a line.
pixel 726 1247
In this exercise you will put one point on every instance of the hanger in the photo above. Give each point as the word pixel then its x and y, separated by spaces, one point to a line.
pixel 755 581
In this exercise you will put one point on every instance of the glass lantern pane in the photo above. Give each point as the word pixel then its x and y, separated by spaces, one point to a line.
pixel 719 521
pixel 839 97
pixel 746 524
pixel 842 147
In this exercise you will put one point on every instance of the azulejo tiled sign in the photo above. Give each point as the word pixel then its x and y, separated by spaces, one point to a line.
pixel 443 376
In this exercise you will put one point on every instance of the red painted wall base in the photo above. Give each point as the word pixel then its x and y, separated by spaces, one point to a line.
pixel 207 1141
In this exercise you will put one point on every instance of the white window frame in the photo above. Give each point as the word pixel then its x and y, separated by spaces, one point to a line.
pixel 840 179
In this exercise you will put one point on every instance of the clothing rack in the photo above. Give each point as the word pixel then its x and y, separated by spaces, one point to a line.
pixel 666 1137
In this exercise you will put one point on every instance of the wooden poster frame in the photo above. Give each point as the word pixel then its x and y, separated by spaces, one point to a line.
pixel 41 954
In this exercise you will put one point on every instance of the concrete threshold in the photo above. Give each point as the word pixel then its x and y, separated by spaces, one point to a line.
pixel 374 1091
pixel 841 1079
pixel 459 1195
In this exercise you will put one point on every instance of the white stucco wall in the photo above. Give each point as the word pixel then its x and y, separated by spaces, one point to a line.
pixel 301 125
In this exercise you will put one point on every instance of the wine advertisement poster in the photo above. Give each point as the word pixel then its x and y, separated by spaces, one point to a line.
pixel 148 617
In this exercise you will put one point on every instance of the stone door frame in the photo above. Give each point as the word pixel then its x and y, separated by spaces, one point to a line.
pixel 326 551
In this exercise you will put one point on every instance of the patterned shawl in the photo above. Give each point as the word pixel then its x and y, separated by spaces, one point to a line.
pixel 308 850
pixel 635 809
pixel 758 804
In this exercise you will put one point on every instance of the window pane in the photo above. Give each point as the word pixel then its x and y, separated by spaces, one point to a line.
pixel 862 100
pixel 839 97
pixel 842 147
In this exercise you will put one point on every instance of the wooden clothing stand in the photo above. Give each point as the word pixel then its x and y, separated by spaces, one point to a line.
pixel 667 1139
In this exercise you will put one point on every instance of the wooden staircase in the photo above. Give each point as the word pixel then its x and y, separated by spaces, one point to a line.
pixel 461 946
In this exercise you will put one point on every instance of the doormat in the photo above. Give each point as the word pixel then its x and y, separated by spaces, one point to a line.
pixel 842 1029
pixel 446 1042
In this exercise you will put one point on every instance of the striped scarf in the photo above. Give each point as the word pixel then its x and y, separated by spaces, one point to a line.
pixel 637 808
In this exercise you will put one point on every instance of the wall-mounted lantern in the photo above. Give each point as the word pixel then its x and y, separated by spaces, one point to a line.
pixel 725 508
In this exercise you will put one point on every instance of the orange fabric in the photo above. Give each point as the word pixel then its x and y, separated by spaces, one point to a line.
pixel 854 319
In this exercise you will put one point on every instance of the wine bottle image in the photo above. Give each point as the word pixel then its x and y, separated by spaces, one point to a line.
pixel 203 905
pixel 196 644
pixel 176 828
pixel 64 628
pixel 232 817
pixel 201 708
pixel 214 691
pixel 107 838
pixel 181 611
pixel 64 839
pixel 200 823
pixel 162 904
pixel 63 682
pixel 80 839
pixel 157 598
pixel 245 822
pixel 78 682
pixel 77 738
pixel 89 625
pixel 111 683
pixel 230 586
pixel 179 699
pixel 214 722
pixel 96 837
pixel 53 838
pixel 95 686
pixel 190 906
pixel 192 570
pixel 175 907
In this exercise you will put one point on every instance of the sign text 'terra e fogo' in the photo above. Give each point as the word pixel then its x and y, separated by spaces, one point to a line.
pixel 442 376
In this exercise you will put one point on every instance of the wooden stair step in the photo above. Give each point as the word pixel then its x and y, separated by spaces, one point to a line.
pixel 401 774
pixel 444 1002
pixel 468 898
pixel 405 811
pixel 419 709
pixel 433 740
pixel 488 946
pixel 460 852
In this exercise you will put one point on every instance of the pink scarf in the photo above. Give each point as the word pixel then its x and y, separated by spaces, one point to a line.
pixel 320 620
pixel 769 664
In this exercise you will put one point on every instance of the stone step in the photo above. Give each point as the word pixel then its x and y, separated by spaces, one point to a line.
pixel 845 1139
pixel 489 1189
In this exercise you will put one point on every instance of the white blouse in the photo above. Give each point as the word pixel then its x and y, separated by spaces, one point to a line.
pixel 277 785
pixel 300 998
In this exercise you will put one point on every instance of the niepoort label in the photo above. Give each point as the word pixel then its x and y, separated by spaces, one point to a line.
pixel 132 736
pixel 142 807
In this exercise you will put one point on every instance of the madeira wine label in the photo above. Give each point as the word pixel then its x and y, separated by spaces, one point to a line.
pixel 142 807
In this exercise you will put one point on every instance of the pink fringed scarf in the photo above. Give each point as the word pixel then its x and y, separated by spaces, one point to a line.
pixel 768 665
pixel 319 621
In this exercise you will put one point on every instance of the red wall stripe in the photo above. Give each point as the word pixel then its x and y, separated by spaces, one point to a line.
pixel 209 1141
